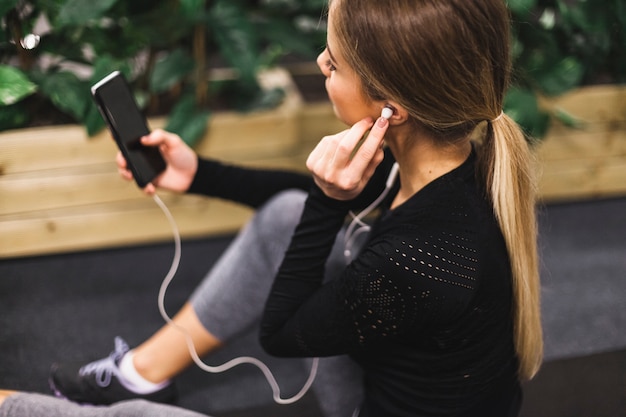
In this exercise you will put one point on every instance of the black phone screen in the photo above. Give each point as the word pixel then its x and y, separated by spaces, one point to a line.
pixel 127 125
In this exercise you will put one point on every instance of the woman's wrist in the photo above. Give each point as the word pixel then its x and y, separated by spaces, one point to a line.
pixel 193 173
pixel 317 193
pixel 200 176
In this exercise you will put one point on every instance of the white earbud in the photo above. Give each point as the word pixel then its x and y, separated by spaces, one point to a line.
pixel 386 113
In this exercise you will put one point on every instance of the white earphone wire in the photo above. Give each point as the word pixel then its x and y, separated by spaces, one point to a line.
pixel 357 219
pixel 192 350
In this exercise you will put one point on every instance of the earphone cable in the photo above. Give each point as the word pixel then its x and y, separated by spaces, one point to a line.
pixel 192 350
pixel 357 219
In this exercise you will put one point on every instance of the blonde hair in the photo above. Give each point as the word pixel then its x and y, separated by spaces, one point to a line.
pixel 447 62
pixel 506 161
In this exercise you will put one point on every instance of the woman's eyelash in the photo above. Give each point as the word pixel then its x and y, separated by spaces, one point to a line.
pixel 330 65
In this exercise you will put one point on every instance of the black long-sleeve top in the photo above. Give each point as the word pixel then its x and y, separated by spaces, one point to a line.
pixel 425 308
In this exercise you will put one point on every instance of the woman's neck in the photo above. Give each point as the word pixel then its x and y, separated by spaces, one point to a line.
pixel 421 160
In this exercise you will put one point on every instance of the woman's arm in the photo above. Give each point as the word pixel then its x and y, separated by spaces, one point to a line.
pixel 186 172
pixel 248 186
pixel 340 177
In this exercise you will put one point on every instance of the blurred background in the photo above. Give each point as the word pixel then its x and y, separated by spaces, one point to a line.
pixel 237 80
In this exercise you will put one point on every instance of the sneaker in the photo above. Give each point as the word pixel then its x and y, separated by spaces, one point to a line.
pixel 99 382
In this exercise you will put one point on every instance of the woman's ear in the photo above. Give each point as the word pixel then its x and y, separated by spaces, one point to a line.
pixel 399 115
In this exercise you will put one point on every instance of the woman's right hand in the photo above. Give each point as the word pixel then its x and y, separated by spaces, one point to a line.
pixel 181 160
pixel 341 172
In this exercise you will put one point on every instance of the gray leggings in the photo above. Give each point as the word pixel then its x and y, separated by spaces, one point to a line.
pixel 229 302
pixel 39 405
pixel 230 299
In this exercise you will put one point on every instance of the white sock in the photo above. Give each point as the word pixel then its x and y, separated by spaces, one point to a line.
pixel 131 380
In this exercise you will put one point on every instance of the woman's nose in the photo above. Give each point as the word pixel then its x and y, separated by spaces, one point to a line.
pixel 321 63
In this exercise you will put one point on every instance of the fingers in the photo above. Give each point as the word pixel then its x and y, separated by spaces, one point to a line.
pixel 125 173
pixel 159 137
pixel 180 158
pixel 350 143
pixel 149 189
pixel 372 145
pixel 122 167
pixel 343 163
pixel 356 150
pixel 358 153
pixel 338 150
pixel 371 152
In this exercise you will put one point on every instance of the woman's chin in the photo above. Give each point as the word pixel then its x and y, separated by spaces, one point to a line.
pixel 338 116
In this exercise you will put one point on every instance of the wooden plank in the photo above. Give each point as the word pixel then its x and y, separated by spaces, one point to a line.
pixel 54 147
pixel 27 194
pixel 73 187
pixel 583 179
pixel 258 136
pixel 230 137
pixel 108 225
pixel 588 143
pixel 104 211
pixel 589 161
pixel 594 104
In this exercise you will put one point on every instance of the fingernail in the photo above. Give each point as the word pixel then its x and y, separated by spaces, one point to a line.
pixel 382 122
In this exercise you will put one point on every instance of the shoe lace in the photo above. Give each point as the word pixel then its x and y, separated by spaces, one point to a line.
pixel 104 369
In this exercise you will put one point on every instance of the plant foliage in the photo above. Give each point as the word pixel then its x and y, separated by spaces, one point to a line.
pixel 166 46
pixel 560 45
pixel 52 51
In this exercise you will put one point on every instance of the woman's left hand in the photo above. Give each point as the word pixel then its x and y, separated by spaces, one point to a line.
pixel 341 172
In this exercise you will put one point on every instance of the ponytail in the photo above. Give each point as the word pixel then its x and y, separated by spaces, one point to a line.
pixel 506 163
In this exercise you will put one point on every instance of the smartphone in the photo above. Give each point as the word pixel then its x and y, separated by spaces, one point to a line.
pixel 127 124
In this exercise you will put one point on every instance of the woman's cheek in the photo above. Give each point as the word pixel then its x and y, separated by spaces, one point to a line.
pixel 333 101
pixel 329 89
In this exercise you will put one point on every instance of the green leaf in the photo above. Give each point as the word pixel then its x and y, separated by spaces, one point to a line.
pixel 105 65
pixel 237 40
pixel 194 10
pixel 186 120
pixel 265 99
pixel 14 116
pixel 14 85
pixel 68 44
pixel 562 77
pixel 93 120
pixel 619 54
pixel 236 94
pixel 567 118
pixel 522 106
pixel 67 92
pixel 156 32
pixel 6 5
pixel 50 8
pixel 521 7
pixel 274 31
pixel 79 12
pixel 170 70
pixel 585 15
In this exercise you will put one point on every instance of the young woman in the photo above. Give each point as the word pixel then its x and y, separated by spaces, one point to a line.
pixel 440 307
